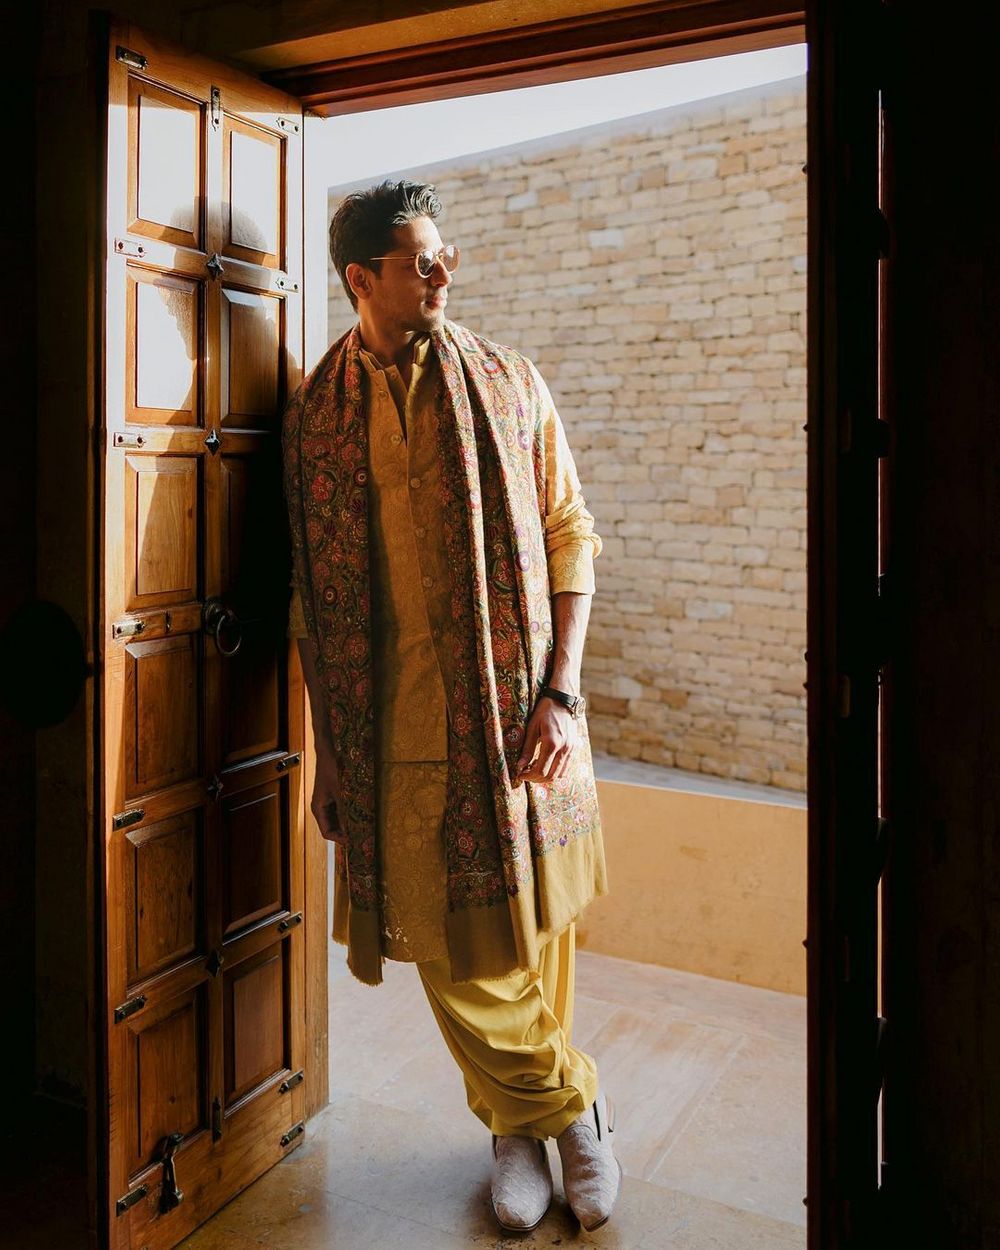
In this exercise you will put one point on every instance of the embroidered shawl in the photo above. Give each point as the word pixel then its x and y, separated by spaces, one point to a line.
pixel 522 861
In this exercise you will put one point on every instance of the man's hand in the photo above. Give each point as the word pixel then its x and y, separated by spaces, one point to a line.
pixel 327 785
pixel 324 798
pixel 553 733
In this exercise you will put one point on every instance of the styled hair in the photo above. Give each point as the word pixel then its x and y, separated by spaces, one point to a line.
pixel 363 225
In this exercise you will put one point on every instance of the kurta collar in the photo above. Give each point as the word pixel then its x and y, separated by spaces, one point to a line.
pixel 421 345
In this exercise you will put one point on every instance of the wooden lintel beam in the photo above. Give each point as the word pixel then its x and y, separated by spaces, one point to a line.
pixel 595 43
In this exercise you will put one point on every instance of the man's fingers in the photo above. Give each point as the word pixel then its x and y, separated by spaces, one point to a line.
pixel 327 820
pixel 547 759
pixel 548 735
pixel 559 762
pixel 549 771
pixel 528 750
pixel 532 772
pixel 564 762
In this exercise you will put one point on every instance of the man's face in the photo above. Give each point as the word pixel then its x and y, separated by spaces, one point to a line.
pixel 399 299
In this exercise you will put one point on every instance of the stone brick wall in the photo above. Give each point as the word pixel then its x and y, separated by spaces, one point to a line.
pixel 655 271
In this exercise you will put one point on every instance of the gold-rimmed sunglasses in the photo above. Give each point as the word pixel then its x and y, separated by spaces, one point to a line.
pixel 426 259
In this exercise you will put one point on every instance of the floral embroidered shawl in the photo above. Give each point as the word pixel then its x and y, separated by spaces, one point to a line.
pixel 523 861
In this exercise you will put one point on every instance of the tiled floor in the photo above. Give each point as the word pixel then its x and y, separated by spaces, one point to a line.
pixel 709 1082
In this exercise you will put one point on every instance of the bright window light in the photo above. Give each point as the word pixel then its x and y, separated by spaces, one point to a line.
pixel 367 146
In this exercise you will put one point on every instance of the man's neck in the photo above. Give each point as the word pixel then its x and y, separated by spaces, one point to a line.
pixel 389 347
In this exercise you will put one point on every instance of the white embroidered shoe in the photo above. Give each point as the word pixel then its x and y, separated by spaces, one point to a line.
pixel 592 1175
pixel 522 1182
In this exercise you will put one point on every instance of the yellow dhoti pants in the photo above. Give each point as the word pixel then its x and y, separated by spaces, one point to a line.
pixel 511 1038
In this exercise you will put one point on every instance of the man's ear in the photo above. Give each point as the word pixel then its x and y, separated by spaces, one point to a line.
pixel 359 279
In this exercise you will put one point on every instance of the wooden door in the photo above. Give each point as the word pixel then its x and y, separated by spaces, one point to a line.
pixel 847 631
pixel 202 711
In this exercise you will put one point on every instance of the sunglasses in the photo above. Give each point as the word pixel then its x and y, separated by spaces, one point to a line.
pixel 426 260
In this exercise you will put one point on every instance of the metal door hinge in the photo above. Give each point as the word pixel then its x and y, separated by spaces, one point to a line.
pixel 290 761
pixel 130 1199
pixel 127 628
pixel 284 283
pixel 121 820
pixel 216 1118
pixel 289 125
pixel 289 922
pixel 295 1079
pixel 128 247
pixel 135 60
pixel 214 963
pixel 130 1008
pixel 295 1131
pixel 215 108
pixel 125 438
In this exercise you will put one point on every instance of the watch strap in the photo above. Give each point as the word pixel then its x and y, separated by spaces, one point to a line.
pixel 567 700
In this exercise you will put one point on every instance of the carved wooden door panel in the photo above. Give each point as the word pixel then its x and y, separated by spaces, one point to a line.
pixel 202 726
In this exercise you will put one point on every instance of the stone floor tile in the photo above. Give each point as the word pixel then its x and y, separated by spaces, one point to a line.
pixel 375 1030
pixel 657 1073
pixel 689 996
pixel 313 1219
pixel 745 1143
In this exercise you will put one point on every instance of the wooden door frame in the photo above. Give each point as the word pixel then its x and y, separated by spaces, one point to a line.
pixel 613 41
pixel 667 33
pixel 71 157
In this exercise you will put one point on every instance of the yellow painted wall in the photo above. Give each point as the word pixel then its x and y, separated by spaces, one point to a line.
pixel 707 884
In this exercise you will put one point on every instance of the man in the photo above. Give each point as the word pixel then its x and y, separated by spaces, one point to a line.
pixel 442 580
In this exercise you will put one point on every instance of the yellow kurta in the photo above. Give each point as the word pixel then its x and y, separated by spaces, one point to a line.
pixel 410 637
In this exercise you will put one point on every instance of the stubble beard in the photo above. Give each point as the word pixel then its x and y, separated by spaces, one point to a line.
pixel 433 318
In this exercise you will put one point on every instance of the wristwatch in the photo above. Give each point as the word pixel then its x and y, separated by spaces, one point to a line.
pixel 576 703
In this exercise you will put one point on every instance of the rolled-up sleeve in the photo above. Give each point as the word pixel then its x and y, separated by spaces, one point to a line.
pixel 571 543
